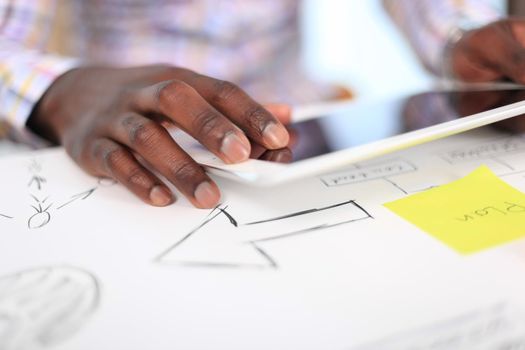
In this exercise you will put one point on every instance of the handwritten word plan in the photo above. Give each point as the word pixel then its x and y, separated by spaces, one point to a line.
pixel 473 213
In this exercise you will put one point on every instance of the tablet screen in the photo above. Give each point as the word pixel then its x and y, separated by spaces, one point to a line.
pixel 364 123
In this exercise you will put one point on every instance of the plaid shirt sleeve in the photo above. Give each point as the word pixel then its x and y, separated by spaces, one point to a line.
pixel 428 24
pixel 26 70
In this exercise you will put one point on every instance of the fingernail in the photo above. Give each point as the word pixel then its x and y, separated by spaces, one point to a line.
pixel 234 149
pixel 276 136
pixel 206 195
pixel 160 197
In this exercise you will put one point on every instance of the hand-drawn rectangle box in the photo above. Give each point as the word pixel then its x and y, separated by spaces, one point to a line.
pixel 485 150
pixel 369 172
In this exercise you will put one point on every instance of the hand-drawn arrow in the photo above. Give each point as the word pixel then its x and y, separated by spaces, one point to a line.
pixel 220 241
pixel 205 246
pixel 80 196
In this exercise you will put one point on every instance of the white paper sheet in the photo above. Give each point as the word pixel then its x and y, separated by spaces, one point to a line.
pixel 315 264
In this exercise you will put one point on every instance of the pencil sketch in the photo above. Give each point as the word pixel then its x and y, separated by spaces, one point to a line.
pixel 499 151
pixel 222 240
pixel 43 306
pixel 43 208
pixel 35 168
pixel 217 253
pixel 407 191
pixel 493 150
pixel 369 172
pixel 42 215
pixel 485 150
pixel 80 196
pixel 306 221
pixel 39 181
pixel 383 171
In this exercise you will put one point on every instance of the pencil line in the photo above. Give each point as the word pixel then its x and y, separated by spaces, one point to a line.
pixel 299 213
pixel 272 262
pixel 309 230
pixel 362 209
pixel 514 173
pixel 183 239
pixel 395 185
pixel 205 264
pixel 232 220
pixel 505 164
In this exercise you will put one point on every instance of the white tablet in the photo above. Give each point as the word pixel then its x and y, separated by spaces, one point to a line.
pixel 330 136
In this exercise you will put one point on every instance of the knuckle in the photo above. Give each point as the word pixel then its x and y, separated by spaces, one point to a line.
pixel 186 170
pixel 136 177
pixel 172 91
pixel 224 91
pixel 113 158
pixel 144 133
pixel 206 122
pixel 256 118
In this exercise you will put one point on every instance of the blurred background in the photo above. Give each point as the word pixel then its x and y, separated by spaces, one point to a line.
pixel 347 42
pixel 344 42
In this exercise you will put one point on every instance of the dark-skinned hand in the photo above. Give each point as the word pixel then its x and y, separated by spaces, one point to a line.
pixel 109 118
pixel 494 52
pixel 491 53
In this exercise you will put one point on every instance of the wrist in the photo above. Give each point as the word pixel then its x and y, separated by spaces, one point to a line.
pixel 455 35
pixel 45 119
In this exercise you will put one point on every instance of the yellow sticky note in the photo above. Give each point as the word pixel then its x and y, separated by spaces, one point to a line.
pixel 476 212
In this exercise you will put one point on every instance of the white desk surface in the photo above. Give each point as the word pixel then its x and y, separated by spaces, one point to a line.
pixel 86 265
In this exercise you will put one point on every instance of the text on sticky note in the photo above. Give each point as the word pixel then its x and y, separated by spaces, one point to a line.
pixel 476 212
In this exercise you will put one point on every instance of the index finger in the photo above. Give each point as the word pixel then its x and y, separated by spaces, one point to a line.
pixel 256 121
